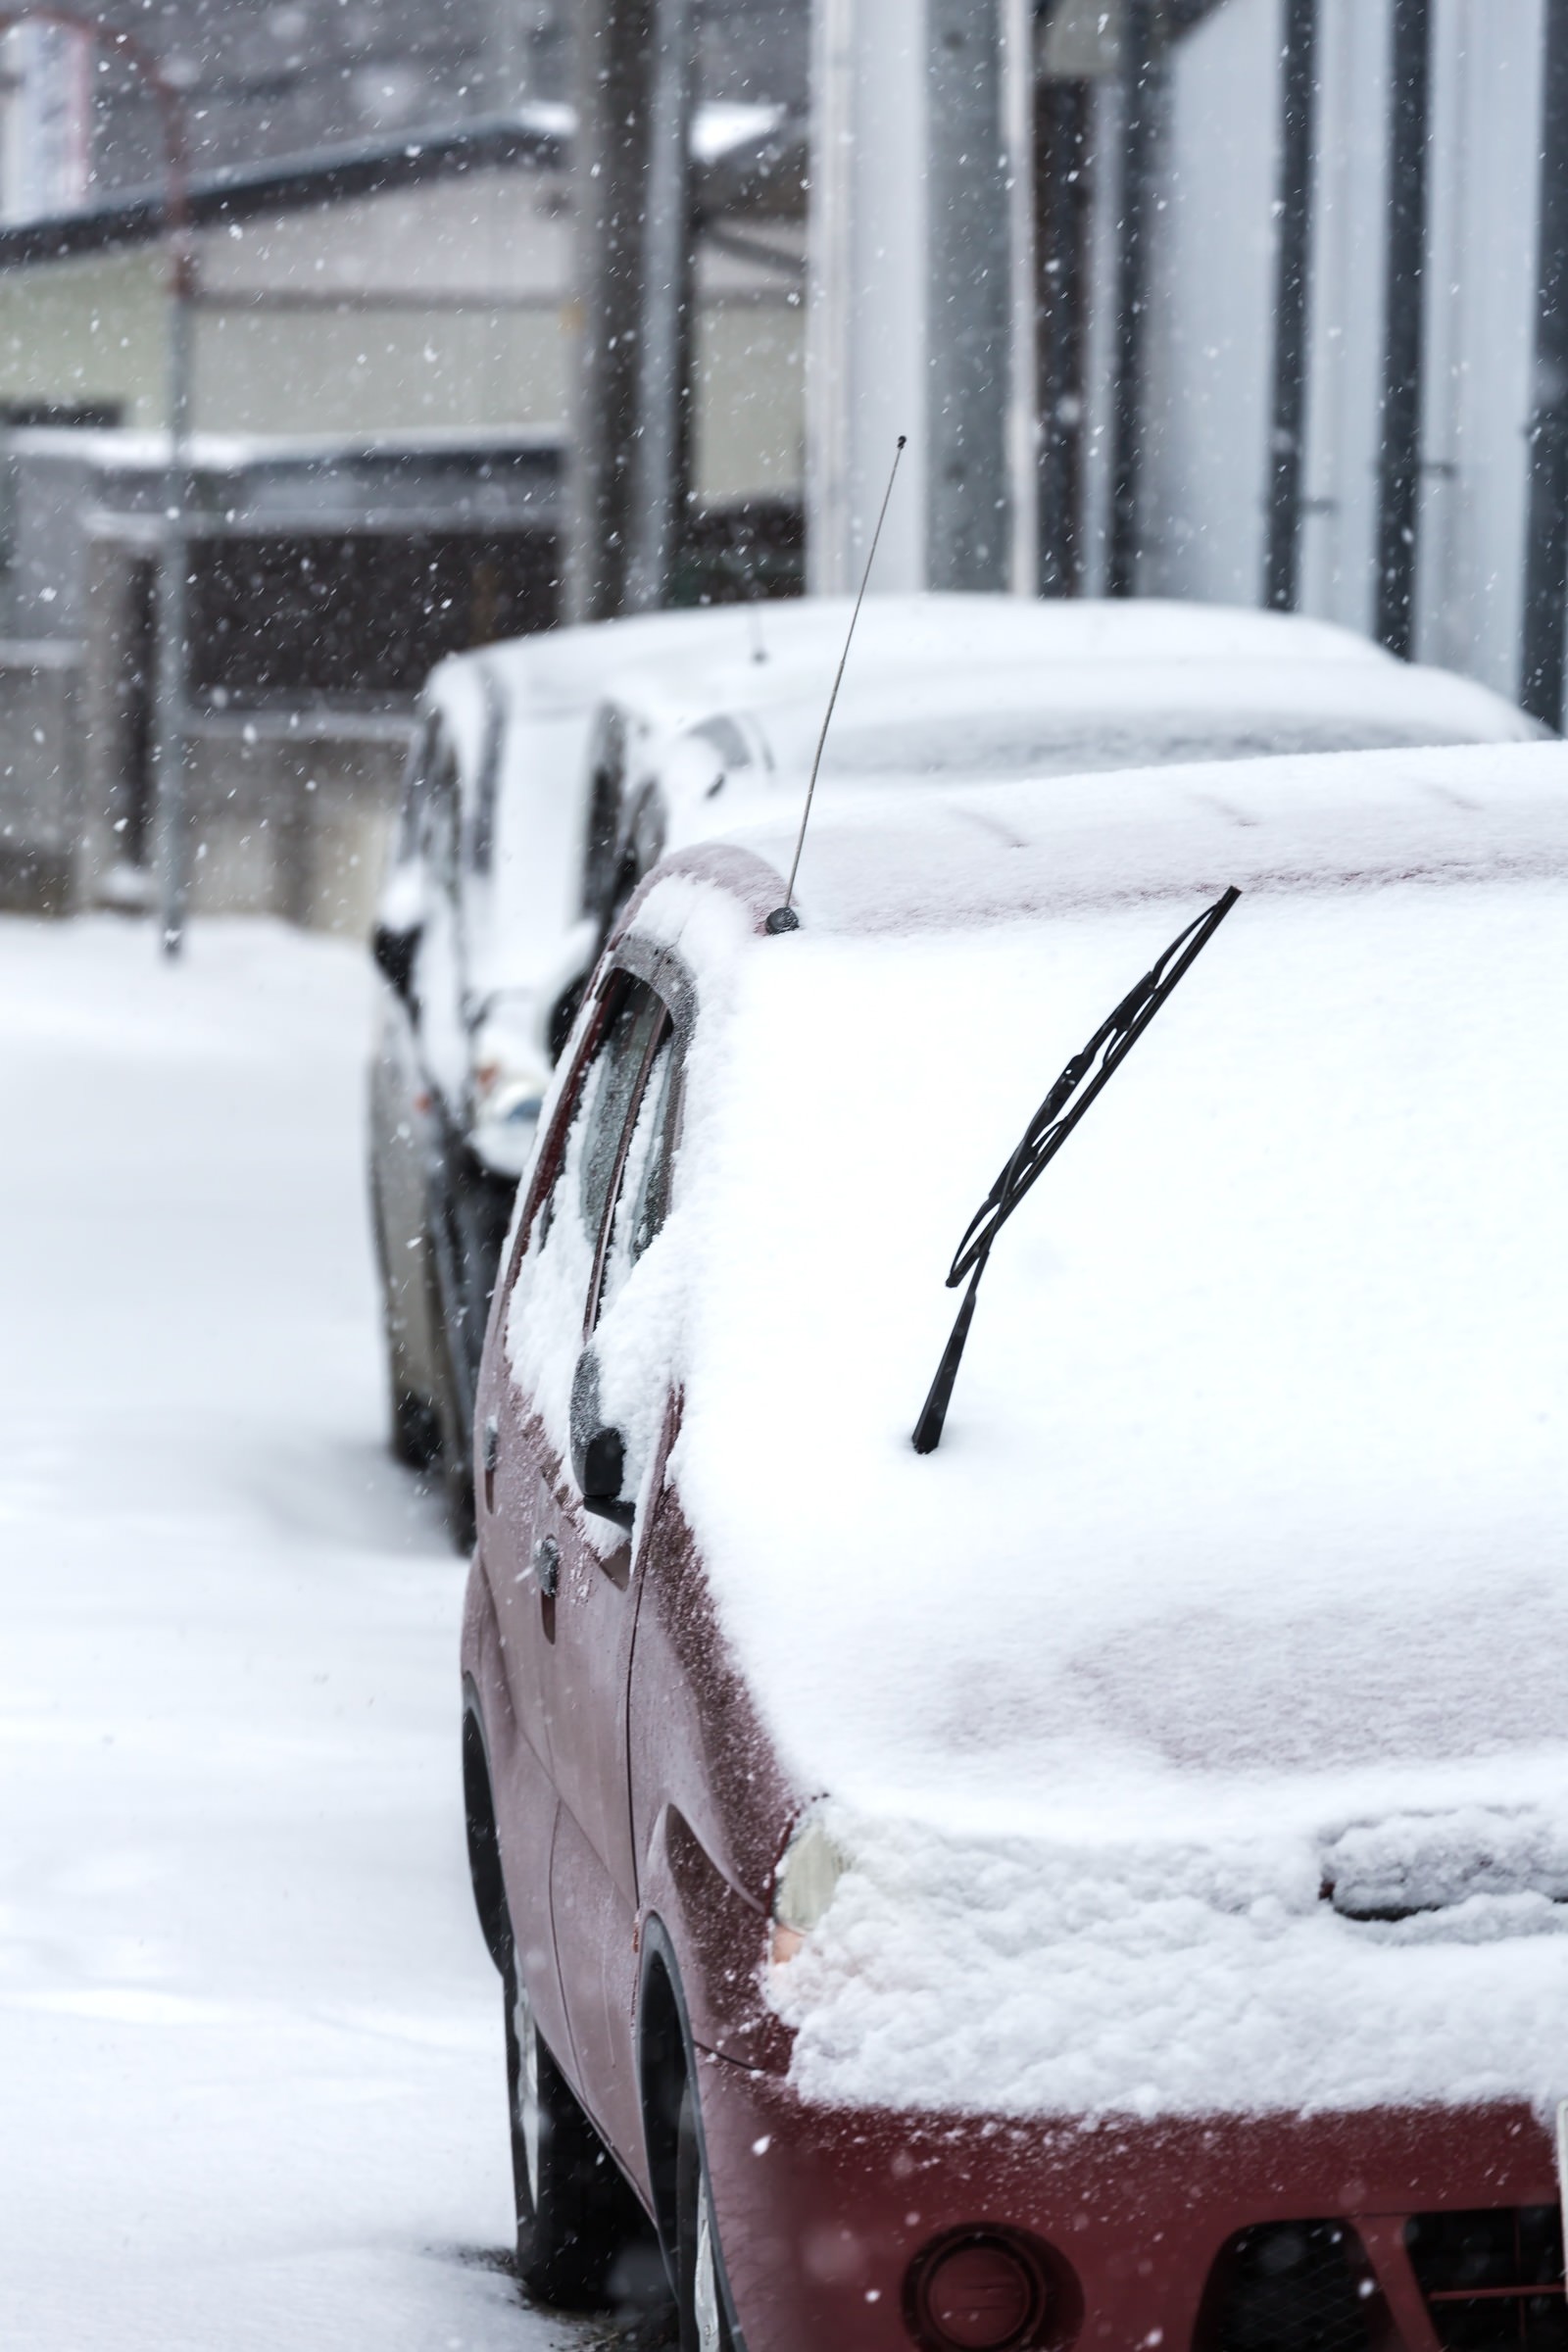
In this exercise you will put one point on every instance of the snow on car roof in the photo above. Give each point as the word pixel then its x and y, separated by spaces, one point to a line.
pixel 549 685
pixel 1248 1522
pixel 930 858
pixel 990 721
pixel 791 649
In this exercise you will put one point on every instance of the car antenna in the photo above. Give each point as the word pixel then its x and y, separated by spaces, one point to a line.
pixel 758 643
pixel 1058 1114
pixel 785 918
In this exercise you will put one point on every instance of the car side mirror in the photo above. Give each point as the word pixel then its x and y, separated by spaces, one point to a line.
pixel 392 953
pixel 598 1449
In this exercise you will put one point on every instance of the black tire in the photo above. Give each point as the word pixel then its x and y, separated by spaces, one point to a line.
pixel 581 2231
pixel 474 1209
pixel 700 2293
pixel 414 1431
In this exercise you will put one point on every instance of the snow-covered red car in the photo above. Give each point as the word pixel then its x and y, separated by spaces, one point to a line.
pixel 1101 1881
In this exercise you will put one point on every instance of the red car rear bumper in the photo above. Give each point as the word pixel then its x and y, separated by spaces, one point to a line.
pixel 821 2214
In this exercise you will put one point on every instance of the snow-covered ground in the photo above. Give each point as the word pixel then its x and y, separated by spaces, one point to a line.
pixel 249 2039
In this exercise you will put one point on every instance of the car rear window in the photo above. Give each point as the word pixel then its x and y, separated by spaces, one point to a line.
pixel 975 746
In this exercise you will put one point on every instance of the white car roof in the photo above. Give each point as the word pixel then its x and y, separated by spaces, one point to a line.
pixel 920 635
pixel 663 662
pixel 672 668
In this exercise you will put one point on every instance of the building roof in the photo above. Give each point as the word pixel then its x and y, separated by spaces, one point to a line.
pixel 742 154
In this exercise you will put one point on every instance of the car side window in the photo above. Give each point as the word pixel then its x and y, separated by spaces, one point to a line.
pixel 612 1085
pixel 605 786
pixel 642 1199
pixel 439 828
pixel 604 1188
pixel 415 783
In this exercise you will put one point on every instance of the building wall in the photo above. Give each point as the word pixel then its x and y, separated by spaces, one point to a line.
pixel 1211 346
pixel 86 329
pixel 447 307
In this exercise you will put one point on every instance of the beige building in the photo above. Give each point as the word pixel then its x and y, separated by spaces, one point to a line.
pixel 438 301
pixel 404 311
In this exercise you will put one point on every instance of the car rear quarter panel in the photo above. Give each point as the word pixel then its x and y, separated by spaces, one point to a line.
pixel 712 1806
pixel 524 1798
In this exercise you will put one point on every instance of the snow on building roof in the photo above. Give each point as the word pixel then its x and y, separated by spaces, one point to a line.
pixel 1248 1526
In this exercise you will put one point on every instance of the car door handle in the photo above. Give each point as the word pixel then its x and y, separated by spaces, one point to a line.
pixel 547 1565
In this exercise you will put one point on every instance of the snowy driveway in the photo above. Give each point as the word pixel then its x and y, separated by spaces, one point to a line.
pixel 249 2039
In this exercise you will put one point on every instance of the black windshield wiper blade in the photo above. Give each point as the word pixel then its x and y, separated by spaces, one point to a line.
pixel 1058 1114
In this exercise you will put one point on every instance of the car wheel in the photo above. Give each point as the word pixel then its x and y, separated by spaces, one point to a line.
pixel 577 2221
pixel 415 1432
pixel 704 2327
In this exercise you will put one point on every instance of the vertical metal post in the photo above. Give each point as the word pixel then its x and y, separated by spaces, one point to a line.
pixel 658 472
pixel 1405 320
pixel 174 614
pixel 1293 262
pixel 968 303
pixel 1061 213
pixel 832 481
pixel 1018 68
pixel 1139 70
pixel 615 48
pixel 173 622
pixel 1546 611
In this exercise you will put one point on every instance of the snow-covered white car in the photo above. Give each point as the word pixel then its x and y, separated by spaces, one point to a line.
pixel 1103 1879
pixel 969 688
pixel 483 941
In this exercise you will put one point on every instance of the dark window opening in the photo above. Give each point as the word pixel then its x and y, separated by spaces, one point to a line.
pixel 135 688
pixel 360 616
pixel 83 415
pixel 752 549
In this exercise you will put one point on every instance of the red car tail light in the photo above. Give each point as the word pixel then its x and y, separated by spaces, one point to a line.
pixel 982 2290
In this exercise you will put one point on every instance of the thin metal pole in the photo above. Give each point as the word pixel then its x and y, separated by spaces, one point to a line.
pixel 171 746
pixel 1061 198
pixel 657 474
pixel 1293 262
pixel 968 321
pixel 173 631
pixel 613 41
pixel 1546 614
pixel 1138 91
pixel 1405 319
